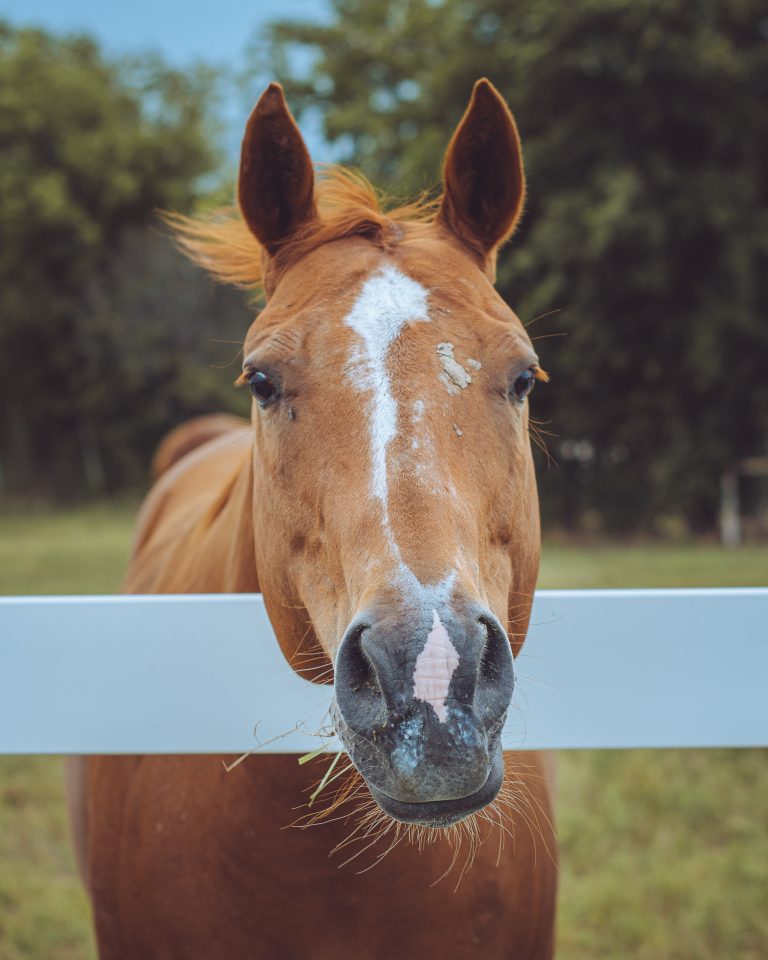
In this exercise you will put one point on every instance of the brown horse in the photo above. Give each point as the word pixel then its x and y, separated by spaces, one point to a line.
pixel 383 500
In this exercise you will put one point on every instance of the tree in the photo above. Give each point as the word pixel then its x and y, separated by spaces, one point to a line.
pixel 89 150
pixel 645 134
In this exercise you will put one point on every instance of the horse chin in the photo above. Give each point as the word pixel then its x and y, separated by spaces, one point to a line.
pixel 440 814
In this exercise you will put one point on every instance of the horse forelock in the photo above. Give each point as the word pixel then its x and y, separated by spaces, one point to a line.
pixel 348 205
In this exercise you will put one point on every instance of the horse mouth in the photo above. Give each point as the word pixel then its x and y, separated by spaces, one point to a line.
pixel 439 814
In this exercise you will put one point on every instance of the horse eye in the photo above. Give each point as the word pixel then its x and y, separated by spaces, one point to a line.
pixel 523 384
pixel 263 389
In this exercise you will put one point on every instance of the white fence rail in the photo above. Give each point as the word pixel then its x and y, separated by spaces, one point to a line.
pixel 200 674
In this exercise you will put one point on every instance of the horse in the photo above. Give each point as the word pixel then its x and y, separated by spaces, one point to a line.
pixel 187 436
pixel 383 500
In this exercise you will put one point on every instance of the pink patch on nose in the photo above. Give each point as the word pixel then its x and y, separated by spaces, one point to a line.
pixel 435 666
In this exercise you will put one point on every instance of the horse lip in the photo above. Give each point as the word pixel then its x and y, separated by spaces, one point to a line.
pixel 430 813
pixel 443 813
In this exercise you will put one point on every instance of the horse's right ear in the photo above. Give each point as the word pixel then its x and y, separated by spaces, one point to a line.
pixel 484 184
pixel 276 182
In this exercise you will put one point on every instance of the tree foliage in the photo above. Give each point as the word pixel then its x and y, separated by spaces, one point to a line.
pixel 90 341
pixel 646 135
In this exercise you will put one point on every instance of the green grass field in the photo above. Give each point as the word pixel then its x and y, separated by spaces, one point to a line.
pixel 664 853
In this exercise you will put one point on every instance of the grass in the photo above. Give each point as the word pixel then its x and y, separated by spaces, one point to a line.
pixel 664 853
pixel 43 911
pixel 652 565
pixel 84 550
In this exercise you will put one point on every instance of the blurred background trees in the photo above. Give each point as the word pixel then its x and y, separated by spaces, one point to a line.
pixel 645 132
pixel 103 326
pixel 642 261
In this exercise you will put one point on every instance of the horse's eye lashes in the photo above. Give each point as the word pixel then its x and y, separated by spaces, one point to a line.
pixel 264 386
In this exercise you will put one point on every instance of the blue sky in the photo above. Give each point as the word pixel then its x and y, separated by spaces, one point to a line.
pixel 183 32
pixel 215 32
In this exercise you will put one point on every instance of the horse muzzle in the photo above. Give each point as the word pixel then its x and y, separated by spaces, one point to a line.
pixel 421 699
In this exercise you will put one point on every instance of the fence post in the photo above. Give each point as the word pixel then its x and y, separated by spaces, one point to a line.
pixel 730 519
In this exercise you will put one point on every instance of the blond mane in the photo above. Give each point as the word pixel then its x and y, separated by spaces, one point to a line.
pixel 348 205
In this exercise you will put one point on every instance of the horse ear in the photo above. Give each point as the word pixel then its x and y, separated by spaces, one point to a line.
pixel 483 179
pixel 276 181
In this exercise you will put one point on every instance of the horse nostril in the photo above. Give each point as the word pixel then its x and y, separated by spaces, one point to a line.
pixel 353 667
pixel 358 692
pixel 496 659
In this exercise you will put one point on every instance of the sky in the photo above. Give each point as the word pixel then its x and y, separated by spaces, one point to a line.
pixel 216 32
pixel 183 32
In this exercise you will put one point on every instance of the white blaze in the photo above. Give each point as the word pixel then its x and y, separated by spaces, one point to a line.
pixel 387 302
pixel 435 667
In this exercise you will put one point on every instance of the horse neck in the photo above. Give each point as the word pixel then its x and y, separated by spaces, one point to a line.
pixel 229 564
pixel 198 537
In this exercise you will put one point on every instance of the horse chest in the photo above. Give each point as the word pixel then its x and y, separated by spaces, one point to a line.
pixel 190 862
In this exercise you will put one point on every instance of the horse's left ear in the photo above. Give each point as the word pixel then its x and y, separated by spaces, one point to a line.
pixel 483 179
pixel 276 181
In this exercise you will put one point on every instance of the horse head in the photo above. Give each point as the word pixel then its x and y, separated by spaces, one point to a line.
pixel 394 498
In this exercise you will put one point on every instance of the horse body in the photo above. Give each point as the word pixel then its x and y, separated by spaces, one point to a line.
pixel 189 861
pixel 189 435
pixel 184 859
pixel 383 342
